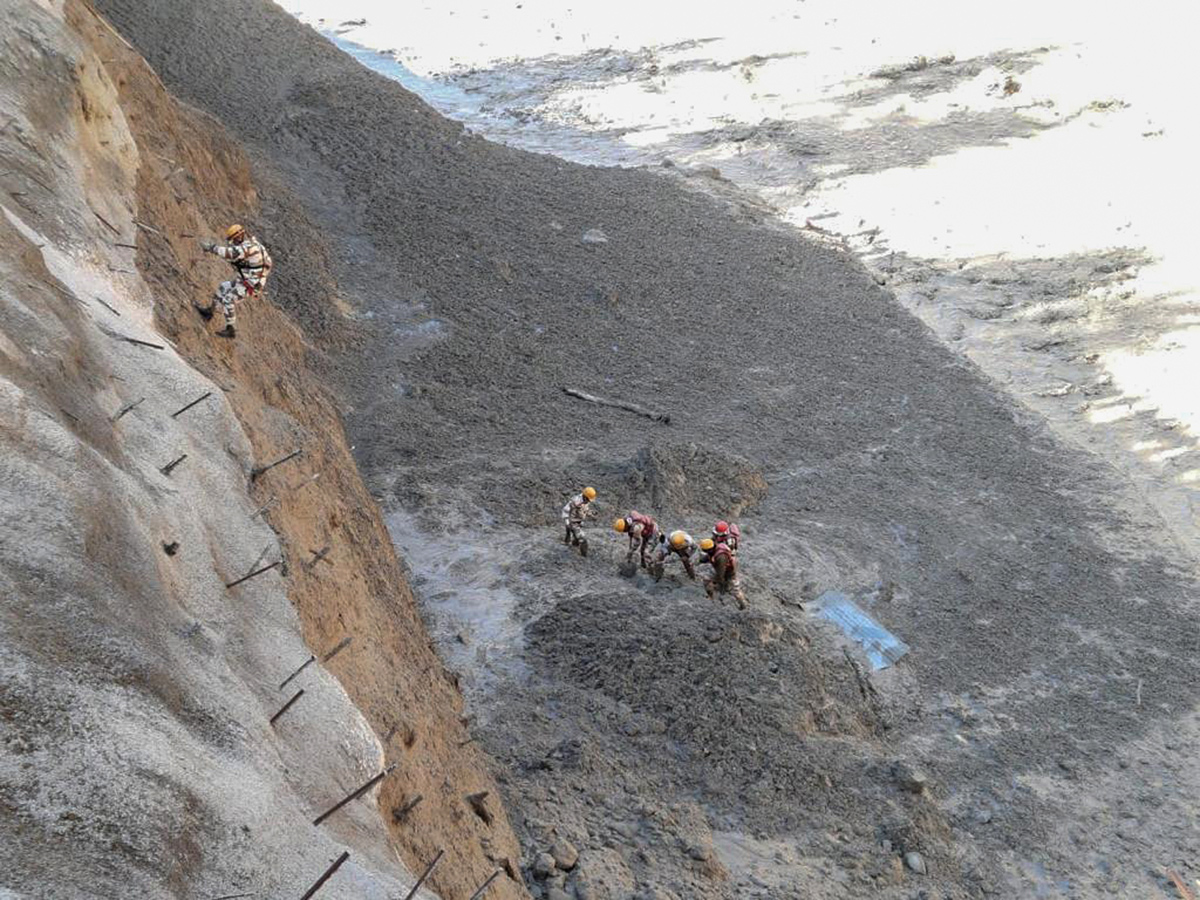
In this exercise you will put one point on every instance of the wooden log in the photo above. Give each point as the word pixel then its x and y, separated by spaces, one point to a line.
pixel 203 396
pixel 254 573
pixel 128 407
pixel 354 795
pixel 483 887
pixel 304 665
pixel 337 864
pixel 420 881
pixel 342 645
pixel 170 467
pixel 261 470
pixel 126 246
pixel 286 706
pixel 619 404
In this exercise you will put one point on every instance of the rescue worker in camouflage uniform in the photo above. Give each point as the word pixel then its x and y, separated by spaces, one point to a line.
pixel 574 512
pixel 680 544
pixel 724 533
pixel 252 263
pixel 724 577
pixel 641 529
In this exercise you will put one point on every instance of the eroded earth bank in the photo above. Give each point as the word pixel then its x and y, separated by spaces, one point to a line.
pixel 1034 742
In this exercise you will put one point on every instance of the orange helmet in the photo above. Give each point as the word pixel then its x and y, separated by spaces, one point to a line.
pixel 620 525
pixel 235 233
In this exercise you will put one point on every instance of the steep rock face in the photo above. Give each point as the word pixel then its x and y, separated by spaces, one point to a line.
pixel 138 687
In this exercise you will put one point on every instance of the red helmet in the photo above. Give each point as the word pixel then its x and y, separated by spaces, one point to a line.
pixel 721 529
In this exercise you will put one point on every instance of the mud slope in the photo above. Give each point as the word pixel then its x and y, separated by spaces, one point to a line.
pixel 1035 587
pixel 138 687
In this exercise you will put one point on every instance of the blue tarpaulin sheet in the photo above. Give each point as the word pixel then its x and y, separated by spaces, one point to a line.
pixel 882 647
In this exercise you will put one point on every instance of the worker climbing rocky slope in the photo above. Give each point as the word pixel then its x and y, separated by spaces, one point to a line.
pixel 149 745
pixel 653 743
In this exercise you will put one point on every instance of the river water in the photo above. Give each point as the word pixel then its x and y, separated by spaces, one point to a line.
pixel 1019 175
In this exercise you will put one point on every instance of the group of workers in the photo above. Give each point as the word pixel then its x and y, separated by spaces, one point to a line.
pixel 655 547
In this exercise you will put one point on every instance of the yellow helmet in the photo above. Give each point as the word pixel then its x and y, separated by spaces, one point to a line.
pixel 620 525
pixel 707 544
pixel 678 539
pixel 589 493
pixel 233 232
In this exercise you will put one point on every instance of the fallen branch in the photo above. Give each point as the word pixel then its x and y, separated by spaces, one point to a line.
pixel 149 228
pixel 262 509
pixel 619 404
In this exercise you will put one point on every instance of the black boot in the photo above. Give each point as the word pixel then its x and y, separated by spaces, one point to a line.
pixel 227 332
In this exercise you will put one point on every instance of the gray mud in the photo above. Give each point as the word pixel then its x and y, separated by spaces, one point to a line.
pixel 1034 586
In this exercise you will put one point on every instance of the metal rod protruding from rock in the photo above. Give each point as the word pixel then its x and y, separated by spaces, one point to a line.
pixel 255 572
pixel 286 706
pixel 203 396
pixel 255 473
pixel 170 467
pixel 400 813
pixel 342 645
pixel 420 881
pixel 483 887
pixel 140 343
pixel 337 864
pixel 355 795
pixel 304 665
pixel 128 407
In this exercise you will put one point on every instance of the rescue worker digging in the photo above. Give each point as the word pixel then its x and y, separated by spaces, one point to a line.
pixel 641 529
pixel 574 512
pixel 680 544
pixel 724 577
pixel 252 262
